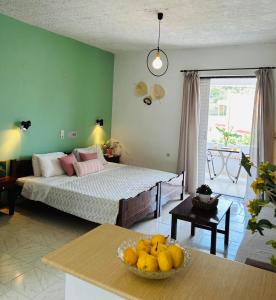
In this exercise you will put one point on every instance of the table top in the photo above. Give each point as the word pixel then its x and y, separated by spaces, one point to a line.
pixel 186 211
pixel 224 150
pixel 92 257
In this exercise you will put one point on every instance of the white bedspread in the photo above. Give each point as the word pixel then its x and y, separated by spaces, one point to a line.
pixel 94 197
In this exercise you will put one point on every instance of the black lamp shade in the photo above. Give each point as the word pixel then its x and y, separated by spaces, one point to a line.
pixel 25 125
pixel 99 122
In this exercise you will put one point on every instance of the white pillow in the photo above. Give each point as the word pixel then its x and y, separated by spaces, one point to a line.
pixel 36 164
pixel 49 164
pixel 36 167
pixel 93 149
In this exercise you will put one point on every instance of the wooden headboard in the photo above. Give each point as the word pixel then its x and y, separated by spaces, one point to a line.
pixel 21 168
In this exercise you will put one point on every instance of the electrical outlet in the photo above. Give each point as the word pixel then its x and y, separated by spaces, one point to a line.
pixel 61 134
pixel 72 134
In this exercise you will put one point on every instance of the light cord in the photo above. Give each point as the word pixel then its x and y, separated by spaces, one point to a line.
pixel 158 36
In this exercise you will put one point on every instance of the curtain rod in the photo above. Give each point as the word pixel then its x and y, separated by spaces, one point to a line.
pixel 227 69
pixel 229 77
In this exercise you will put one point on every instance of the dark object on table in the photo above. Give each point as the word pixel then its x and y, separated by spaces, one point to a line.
pixel 212 204
pixel 203 219
pixel 7 184
pixel 113 158
pixel 204 189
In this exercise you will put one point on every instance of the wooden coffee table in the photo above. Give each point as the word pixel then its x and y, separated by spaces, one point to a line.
pixel 208 220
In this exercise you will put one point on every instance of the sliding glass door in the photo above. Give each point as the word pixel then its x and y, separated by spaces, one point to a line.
pixel 226 108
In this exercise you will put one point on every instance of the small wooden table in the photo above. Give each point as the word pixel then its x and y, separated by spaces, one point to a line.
pixel 92 266
pixel 200 218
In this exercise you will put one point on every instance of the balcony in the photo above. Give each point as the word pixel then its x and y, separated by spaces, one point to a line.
pixel 223 172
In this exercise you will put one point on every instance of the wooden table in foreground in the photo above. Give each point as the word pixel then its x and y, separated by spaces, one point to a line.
pixel 94 272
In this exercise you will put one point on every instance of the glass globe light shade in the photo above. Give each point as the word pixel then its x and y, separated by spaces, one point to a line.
pixel 157 62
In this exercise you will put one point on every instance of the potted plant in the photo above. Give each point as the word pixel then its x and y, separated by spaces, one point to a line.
pixel 227 135
pixel 264 187
pixel 204 192
pixel 112 147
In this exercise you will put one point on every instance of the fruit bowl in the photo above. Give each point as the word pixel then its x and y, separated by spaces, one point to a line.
pixel 151 275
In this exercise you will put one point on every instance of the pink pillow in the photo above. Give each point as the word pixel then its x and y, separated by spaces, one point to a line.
pixel 88 156
pixel 86 167
pixel 67 163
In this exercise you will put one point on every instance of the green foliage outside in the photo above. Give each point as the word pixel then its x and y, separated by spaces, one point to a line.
pixel 227 136
pixel 231 138
pixel 220 92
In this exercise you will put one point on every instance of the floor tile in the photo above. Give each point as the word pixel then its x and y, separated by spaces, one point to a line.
pixel 3 289
pixel 13 295
pixel 32 283
pixel 30 251
pixel 11 240
pixel 11 268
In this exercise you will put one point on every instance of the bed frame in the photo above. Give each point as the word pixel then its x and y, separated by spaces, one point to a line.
pixel 131 210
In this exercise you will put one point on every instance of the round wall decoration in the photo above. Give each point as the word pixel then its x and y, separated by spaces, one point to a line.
pixel 141 89
pixel 157 92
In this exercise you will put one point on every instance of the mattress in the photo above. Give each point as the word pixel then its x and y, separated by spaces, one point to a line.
pixel 94 197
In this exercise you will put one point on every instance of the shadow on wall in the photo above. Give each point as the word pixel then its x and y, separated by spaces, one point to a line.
pixel 11 143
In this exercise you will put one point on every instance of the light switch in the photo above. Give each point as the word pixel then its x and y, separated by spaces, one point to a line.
pixel 61 135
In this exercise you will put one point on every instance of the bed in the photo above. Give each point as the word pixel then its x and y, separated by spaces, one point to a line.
pixel 120 194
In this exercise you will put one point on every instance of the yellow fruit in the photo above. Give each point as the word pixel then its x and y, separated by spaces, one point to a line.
pixel 165 261
pixel 158 238
pixel 143 245
pixel 130 256
pixel 147 263
pixel 151 263
pixel 157 248
pixel 154 250
pixel 142 253
pixel 141 263
pixel 177 255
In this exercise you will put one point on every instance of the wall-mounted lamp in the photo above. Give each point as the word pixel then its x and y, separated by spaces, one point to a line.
pixel 99 122
pixel 24 125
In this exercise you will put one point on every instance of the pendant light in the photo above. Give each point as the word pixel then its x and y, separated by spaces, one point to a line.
pixel 157 60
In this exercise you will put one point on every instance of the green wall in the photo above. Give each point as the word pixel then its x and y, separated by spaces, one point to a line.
pixel 57 83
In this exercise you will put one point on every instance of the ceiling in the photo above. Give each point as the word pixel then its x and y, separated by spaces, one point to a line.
pixel 132 24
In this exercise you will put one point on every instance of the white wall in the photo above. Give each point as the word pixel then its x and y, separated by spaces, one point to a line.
pixel 150 134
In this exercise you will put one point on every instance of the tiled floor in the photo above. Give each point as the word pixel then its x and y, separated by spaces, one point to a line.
pixel 222 184
pixel 36 230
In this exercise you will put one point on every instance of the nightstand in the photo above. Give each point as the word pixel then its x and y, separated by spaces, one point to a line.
pixel 113 158
pixel 7 184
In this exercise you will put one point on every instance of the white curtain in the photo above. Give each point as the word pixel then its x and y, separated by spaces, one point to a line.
pixel 203 128
pixel 261 147
pixel 188 141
